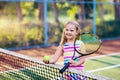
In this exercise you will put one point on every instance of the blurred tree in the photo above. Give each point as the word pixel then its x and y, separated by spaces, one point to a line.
pixel 117 9
pixel 2 5
pixel 56 15
pixel 80 15
pixel 19 11
pixel 41 12
pixel 101 12
pixel 88 9
pixel 82 11
pixel 55 10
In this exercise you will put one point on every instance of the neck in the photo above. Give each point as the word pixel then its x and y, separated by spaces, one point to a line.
pixel 71 41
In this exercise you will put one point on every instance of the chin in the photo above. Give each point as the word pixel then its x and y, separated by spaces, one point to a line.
pixel 70 38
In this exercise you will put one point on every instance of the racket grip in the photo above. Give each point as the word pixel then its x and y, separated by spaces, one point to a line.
pixel 64 68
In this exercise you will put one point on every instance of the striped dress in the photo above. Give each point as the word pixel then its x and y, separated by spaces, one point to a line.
pixel 69 51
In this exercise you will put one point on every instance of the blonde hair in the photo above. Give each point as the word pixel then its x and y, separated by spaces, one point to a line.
pixel 76 24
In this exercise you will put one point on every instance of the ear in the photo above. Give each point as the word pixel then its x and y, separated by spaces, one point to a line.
pixel 76 34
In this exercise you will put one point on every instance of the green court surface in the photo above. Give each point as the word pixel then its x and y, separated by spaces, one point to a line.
pixel 20 67
pixel 24 74
pixel 113 73
pixel 106 62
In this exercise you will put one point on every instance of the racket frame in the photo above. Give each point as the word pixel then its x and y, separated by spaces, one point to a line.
pixel 67 64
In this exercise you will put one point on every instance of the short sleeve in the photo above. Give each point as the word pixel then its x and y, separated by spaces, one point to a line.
pixel 82 46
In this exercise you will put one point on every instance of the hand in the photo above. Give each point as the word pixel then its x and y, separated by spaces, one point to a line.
pixel 72 62
pixel 46 61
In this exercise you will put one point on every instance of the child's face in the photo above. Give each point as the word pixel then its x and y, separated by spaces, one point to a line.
pixel 70 31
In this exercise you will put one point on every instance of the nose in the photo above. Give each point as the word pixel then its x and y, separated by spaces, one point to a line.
pixel 68 31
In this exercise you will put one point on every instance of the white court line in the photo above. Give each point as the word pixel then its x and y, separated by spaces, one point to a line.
pixel 105 68
pixel 96 57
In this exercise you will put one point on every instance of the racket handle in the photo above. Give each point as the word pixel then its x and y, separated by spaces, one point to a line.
pixel 64 68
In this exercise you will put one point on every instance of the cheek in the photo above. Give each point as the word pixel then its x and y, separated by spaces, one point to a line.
pixel 65 33
pixel 75 33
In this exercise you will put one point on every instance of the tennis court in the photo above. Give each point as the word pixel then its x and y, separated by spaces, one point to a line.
pixel 108 65
pixel 14 66
pixel 103 65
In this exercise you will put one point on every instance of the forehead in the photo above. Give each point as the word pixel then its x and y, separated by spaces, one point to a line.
pixel 70 26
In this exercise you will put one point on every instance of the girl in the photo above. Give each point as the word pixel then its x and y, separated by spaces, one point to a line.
pixel 71 33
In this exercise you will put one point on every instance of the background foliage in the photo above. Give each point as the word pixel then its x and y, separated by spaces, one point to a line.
pixel 30 31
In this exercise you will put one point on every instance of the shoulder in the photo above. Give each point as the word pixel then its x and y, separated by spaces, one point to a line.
pixel 79 42
pixel 60 47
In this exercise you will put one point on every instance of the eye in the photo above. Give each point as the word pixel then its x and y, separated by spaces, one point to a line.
pixel 66 29
pixel 71 30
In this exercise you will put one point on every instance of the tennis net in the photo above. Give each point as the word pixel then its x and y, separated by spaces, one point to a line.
pixel 15 66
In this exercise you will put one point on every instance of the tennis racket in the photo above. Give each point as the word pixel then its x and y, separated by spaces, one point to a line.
pixel 91 44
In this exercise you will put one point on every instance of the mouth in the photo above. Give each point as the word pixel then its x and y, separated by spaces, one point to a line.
pixel 68 35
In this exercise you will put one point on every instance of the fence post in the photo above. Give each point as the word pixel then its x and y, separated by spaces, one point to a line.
pixel 94 17
pixel 45 24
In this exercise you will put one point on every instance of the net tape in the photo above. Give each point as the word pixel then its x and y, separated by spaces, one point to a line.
pixel 15 66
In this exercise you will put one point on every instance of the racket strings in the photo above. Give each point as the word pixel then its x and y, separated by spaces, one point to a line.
pixel 91 44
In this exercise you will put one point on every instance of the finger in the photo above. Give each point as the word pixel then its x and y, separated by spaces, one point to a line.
pixel 46 61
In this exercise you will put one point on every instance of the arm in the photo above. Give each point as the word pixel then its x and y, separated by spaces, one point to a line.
pixel 57 54
pixel 81 61
pixel 82 58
